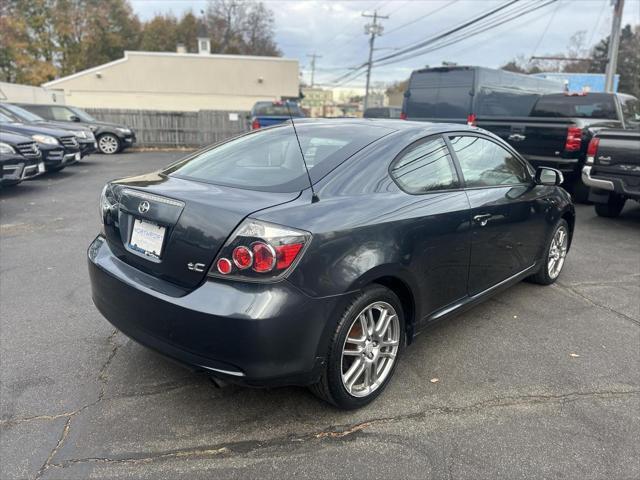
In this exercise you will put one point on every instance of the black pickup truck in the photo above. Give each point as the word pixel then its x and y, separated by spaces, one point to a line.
pixel 548 127
pixel 558 130
pixel 612 169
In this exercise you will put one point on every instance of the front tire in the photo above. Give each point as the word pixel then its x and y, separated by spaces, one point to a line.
pixel 109 144
pixel 364 349
pixel 554 255
pixel 612 208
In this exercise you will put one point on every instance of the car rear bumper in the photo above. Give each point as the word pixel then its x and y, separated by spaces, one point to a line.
pixel 611 183
pixel 248 333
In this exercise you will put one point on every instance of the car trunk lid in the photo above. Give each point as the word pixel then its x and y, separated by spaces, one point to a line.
pixel 188 220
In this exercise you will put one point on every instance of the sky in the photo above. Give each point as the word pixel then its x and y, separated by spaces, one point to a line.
pixel 335 30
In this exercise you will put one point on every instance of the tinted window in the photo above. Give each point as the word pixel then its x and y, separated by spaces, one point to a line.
pixel 82 115
pixel 270 159
pixel 502 103
pixel 485 163
pixel 275 110
pixel 576 106
pixel 41 110
pixel 424 167
pixel 440 94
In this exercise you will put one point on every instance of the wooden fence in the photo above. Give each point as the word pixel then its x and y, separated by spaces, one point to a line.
pixel 176 129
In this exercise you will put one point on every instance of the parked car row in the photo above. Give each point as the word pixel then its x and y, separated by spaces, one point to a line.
pixel 32 144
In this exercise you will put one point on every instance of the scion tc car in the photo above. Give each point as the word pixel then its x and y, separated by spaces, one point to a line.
pixel 238 261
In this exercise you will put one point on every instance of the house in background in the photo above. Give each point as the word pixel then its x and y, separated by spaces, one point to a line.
pixel 181 81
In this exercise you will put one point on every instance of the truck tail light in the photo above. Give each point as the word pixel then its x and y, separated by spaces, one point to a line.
pixel 471 119
pixel 574 139
pixel 259 251
pixel 255 125
pixel 592 150
pixel 403 115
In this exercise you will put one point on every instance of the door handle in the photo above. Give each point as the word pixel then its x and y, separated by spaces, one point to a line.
pixel 482 219
pixel 516 137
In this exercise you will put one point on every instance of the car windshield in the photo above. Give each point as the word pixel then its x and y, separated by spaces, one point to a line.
pixel 5 119
pixel 82 115
pixel 22 114
pixel 270 160
pixel 276 110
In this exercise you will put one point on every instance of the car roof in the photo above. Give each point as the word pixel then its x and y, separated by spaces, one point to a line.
pixel 393 124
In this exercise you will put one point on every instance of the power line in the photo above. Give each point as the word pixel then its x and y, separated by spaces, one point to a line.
pixel 546 28
pixel 421 17
pixel 465 35
pixel 430 40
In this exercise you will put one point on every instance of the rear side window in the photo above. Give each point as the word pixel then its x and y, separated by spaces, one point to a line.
pixel 485 163
pixel 576 106
pixel 270 159
pixel 425 167
pixel 41 110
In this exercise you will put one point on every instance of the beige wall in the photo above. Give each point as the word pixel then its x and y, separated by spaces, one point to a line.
pixel 165 81
pixel 13 92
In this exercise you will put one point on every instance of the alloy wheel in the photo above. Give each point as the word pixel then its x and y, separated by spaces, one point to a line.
pixel 108 144
pixel 557 252
pixel 370 349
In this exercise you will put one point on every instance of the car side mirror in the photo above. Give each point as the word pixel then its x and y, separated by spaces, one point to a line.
pixel 548 176
pixel 73 118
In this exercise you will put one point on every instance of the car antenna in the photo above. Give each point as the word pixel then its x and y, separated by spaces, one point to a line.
pixel 314 196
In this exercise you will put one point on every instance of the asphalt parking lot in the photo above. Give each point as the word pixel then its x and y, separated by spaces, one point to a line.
pixel 539 382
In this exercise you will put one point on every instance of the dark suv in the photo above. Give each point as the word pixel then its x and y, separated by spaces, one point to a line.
pixel 59 147
pixel 84 136
pixel 111 137
pixel 20 158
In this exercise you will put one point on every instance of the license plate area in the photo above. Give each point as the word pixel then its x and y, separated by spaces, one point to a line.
pixel 147 238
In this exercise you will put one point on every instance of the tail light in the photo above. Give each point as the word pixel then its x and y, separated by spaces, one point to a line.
pixel 403 115
pixel 471 119
pixel 592 150
pixel 255 125
pixel 260 251
pixel 574 139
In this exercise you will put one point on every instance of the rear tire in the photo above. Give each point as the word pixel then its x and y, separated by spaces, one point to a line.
pixel 557 248
pixel 373 352
pixel 612 208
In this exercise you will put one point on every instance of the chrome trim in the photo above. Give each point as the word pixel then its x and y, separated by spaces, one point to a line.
pixel 590 181
pixel 226 372
pixel 467 300
pixel 27 172
pixel 152 197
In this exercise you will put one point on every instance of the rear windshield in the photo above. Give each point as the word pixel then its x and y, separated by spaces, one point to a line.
pixel 275 110
pixel 270 160
pixel 576 106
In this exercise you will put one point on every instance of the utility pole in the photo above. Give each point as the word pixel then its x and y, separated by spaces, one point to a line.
pixel 614 43
pixel 372 29
pixel 313 57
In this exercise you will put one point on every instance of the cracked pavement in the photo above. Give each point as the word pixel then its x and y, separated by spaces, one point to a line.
pixel 538 382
